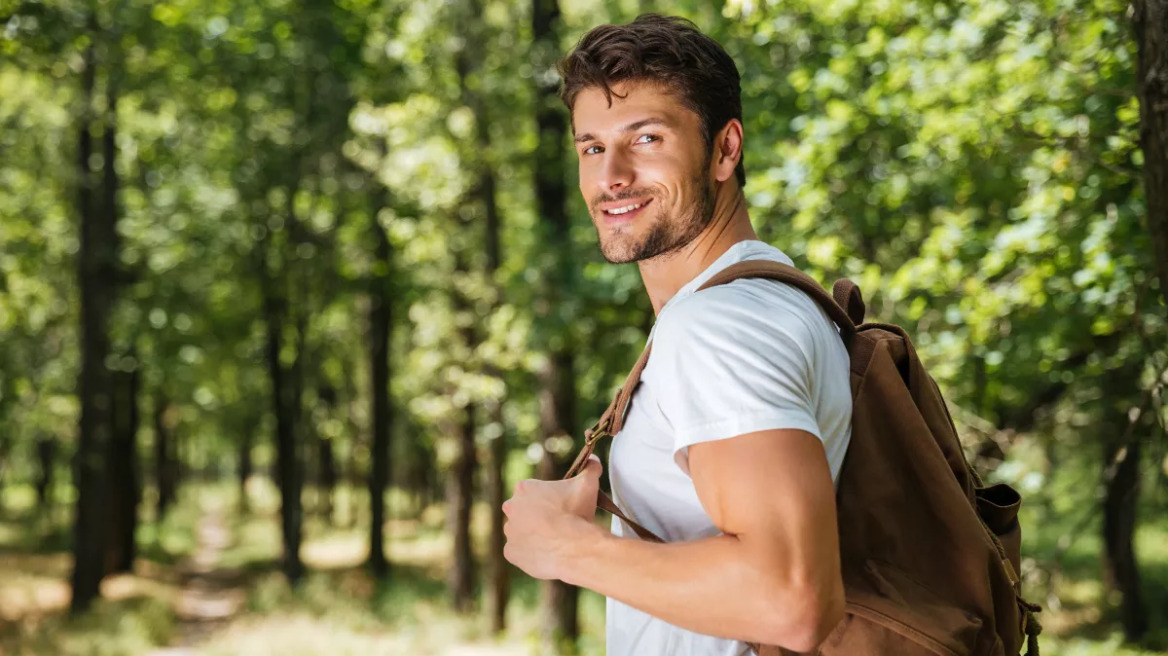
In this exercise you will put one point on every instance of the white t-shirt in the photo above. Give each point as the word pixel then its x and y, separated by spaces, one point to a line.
pixel 747 356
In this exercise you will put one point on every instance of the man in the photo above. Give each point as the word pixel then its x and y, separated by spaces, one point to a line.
pixel 738 430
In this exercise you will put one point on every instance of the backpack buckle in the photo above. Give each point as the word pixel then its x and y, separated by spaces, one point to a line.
pixel 594 434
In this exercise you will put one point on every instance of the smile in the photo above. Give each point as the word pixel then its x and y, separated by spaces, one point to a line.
pixel 627 211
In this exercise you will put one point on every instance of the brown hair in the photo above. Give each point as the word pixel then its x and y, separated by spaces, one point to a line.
pixel 668 50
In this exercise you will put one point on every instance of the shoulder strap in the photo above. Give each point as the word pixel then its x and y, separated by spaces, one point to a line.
pixel 612 420
pixel 788 274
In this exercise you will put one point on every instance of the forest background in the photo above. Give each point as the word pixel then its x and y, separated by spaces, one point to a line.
pixel 293 291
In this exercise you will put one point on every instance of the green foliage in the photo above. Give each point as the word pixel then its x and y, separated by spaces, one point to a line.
pixel 973 166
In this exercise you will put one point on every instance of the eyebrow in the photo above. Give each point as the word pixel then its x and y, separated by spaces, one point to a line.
pixel 635 125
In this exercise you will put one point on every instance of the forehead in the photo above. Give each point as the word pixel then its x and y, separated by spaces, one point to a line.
pixel 592 114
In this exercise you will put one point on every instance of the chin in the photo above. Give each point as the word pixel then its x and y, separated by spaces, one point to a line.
pixel 618 251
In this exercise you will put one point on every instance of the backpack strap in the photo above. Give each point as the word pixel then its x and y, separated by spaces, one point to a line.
pixel 846 320
pixel 612 420
pixel 609 424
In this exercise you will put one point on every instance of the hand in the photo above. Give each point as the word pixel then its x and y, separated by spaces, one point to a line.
pixel 547 521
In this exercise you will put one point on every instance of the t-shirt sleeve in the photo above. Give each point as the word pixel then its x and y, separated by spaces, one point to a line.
pixel 728 372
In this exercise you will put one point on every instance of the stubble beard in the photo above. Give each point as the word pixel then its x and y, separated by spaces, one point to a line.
pixel 664 236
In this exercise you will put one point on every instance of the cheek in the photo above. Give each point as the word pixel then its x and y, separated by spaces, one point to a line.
pixel 586 177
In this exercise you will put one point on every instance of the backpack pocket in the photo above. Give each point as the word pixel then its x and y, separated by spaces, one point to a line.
pixel 998 506
pixel 898 615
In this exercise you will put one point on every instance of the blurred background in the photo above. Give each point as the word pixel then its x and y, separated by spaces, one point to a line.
pixel 293 292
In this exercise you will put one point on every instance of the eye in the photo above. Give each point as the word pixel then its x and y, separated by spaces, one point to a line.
pixel 591 150
pixel 647 138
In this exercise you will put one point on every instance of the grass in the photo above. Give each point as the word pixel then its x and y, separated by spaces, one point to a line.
pixel 134 615
pixel 338 609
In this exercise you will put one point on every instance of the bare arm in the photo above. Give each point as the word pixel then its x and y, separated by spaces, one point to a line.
pixel 773 577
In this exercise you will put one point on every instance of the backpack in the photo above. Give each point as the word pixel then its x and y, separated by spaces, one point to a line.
pixel 930 555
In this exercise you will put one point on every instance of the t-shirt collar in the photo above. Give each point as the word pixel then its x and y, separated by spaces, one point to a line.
pixel 741 251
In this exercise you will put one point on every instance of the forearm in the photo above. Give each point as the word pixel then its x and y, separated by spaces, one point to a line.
pixel 722 586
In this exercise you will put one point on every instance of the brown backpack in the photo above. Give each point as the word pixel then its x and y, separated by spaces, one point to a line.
pixel 930 556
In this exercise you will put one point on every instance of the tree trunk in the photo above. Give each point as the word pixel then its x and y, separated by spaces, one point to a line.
pixel 45 450
pixel 459 497
pixel 469 58
pixel 558 396
pixel 326 476
pixel 380 325
pixel 124 490
pixel 97 264
pixel 246 468
pixel 460 480
pixel 1122 446
pixel 1150 19
pixel 1119 527
pixel 284 406
pixel 5 450
pixel 557 402
pixel 354 476
pixel 165 470
pixel 498 573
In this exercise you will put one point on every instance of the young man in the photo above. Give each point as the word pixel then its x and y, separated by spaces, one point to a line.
pixel 737 432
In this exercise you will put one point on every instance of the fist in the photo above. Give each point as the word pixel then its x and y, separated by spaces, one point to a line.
pixel 547 521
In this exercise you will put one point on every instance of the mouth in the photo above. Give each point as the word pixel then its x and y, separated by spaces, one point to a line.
pixel 626 212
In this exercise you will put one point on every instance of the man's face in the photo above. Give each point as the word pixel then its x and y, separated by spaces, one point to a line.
pixel 645 152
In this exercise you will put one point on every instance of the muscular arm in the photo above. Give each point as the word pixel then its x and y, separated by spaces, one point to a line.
pixel 773 577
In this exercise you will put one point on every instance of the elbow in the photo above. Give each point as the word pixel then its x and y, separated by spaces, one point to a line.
pixel 808 620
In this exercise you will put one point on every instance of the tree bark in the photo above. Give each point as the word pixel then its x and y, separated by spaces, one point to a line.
pixel 45 450
pixel 1122 446
pixel 459 497
pixel 326 476
pixel 460 479
pixel 1119 527
pixel 284 405
pixel 246 468
pixel 557 402
pixel 1150 19
pixel 97 262
pixel 498 573
pixel 165 470
pixel 469 58
pixel 560 626
pixel 124 489
pixel 380 325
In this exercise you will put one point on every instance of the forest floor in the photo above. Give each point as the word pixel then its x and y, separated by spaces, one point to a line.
pixel 207 583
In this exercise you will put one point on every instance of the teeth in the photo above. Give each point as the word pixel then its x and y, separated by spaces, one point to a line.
pixel 622 210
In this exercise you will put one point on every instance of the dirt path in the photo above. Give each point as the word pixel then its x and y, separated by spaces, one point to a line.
pixel 211 596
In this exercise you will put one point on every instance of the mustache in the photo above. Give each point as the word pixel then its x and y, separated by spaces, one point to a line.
pixel 624 195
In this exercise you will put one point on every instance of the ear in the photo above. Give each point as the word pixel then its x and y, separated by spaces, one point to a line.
pixel 727 150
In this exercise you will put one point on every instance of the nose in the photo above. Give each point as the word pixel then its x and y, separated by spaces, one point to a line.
pixel 616 172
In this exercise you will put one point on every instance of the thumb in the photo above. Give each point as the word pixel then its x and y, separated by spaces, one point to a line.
pixel 592 468
pixel 586 487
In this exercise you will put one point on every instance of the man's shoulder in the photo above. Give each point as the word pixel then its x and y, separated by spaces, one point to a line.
pixel 749 308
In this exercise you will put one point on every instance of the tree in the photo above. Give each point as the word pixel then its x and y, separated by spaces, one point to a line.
pixel 97 280
pixel 1150 19
pixel 380 318
pixel 483 196
pixel 557 376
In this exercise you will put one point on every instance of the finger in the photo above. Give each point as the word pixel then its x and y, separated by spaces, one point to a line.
pixel 593 467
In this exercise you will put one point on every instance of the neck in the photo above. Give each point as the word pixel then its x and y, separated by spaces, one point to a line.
pixel 665 274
